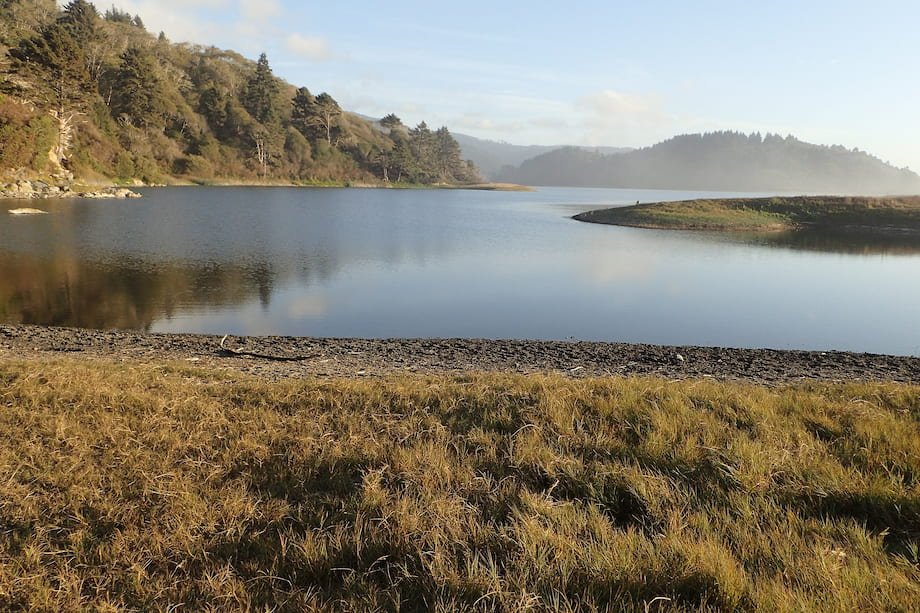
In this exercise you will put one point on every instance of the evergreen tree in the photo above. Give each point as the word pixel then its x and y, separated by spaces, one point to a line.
pixel 117 16
pixel 318 117
pixel 449 158
pixel 391 122
pixel 52 70
pixel 261 91
pixel 139 94
pixel 302 109
pixel 213 105
pixel 402 161
pixel 79 18
pixel 421 141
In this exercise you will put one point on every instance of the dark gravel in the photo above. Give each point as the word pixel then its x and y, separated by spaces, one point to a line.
pixel 366 357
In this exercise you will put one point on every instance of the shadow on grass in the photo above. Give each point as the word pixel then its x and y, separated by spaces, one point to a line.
pixel 896 518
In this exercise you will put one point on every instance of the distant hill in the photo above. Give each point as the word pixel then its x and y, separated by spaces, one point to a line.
pixel 493 157
pixel 721 161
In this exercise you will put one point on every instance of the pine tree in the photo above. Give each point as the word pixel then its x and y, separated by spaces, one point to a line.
pixel 80 19
pixel 302 110
pixel 317 118
pixel 139 95
pixel 402 161
pixel 261 91
pixel 391 121
pixel 448 155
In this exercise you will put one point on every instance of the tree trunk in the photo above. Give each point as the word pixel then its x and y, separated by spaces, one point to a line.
pixel 65 122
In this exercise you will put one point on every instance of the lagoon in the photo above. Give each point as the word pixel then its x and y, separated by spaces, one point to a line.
pixel 446 263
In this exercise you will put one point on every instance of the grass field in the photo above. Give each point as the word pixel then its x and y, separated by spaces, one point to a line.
pixel 769 214
pixel 160 487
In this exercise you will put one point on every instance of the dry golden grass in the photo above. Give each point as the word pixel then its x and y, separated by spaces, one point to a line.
pixel 157 487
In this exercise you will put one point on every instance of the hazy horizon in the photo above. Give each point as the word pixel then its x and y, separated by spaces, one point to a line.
pixel 625 76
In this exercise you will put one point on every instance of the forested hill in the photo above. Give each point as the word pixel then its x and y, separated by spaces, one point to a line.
pixel 493 157
pixel 722 161
pixel 97 96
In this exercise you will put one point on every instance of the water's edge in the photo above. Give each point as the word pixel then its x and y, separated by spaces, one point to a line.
pixel 286 356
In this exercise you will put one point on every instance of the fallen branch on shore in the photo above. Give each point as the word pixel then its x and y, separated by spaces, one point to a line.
pixel 229 351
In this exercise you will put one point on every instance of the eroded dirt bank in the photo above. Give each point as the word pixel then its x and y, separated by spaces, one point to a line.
pixel 279 357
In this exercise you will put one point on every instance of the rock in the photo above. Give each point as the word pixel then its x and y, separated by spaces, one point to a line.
pixel 24 189
pixel 126 193
pixel 27 212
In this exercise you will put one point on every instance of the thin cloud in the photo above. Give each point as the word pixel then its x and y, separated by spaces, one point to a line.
pixel 617 107
pixel 260 10
pixel 478 122
pixel 309 47
pixel 610 117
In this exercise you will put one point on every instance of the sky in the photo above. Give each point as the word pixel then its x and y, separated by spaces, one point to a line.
pixel 590 72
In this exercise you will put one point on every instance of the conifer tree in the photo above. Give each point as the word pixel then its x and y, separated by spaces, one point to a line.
pixel 302 108
pixel 261 91
pixel 391 121
pixel 139 94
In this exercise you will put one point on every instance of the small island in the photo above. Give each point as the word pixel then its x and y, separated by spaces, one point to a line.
pixel 778 214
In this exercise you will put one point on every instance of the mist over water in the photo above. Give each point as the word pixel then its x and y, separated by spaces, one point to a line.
pixel 405 263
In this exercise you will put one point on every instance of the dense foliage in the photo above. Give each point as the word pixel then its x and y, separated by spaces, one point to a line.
pixel 721 161
pixel 100 97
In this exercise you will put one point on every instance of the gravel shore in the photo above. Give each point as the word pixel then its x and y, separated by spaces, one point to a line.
pixel 280 357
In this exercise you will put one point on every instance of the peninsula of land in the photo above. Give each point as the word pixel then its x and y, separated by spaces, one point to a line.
pixel 870 215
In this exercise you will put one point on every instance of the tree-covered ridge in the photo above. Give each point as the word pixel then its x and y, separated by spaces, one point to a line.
pixel 98 97
pixel 722 161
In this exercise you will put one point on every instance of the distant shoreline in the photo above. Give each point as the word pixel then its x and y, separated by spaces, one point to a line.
pixel 41 190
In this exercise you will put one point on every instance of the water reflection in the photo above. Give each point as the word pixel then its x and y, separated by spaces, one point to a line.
pixel 63 291
pixel 378 263
pixel 846 241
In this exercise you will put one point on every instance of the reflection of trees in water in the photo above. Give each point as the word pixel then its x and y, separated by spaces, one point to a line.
pixel 847 241
pixel 67 292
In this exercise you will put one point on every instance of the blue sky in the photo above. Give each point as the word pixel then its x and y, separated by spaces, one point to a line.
pixel 589 72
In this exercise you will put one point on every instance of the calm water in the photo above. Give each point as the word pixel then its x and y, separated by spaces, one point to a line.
pixel 388 263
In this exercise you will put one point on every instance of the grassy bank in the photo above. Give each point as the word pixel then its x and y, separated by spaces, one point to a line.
pixel 142 486
pixel 768 214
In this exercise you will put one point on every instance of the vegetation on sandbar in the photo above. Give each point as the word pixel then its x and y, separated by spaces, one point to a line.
pixel 142 486
pixel 769 214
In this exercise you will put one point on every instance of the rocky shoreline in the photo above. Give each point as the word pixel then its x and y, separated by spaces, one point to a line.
pixel 284 357
pixel 36 190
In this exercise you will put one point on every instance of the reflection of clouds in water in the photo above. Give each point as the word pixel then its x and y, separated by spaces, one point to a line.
pixel 603 263
pixel 253 321
pixel 308 307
